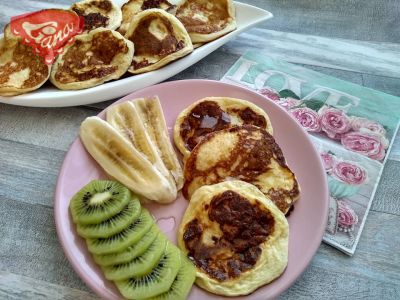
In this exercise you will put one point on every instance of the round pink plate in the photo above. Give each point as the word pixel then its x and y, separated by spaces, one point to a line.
pixel 307 221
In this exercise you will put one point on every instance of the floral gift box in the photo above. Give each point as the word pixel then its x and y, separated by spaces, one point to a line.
pixel 352 127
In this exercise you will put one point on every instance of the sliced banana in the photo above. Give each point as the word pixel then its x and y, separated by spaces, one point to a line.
pixel 116 155
pixel 153 119
pixel 128 122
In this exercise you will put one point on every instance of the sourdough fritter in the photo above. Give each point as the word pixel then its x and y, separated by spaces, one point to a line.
pixel 212 114
pixel 236 237
pixel 21 70
pixel 98 13
pixel 159 39
pixel 133 7
pixel 247 153
pixel 207 20
pixel 94 58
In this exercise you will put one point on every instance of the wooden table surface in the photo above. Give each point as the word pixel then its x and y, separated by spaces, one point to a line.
pixel 355 40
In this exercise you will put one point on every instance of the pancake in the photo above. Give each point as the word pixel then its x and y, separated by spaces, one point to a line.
pixel 215 113
pixel 207 20
pixel 7 33
pixel 21 69
pixel 96 57
pixel 246 153
pixel 159 38
pixel 236 237
pixel 98 13
pixel 133 7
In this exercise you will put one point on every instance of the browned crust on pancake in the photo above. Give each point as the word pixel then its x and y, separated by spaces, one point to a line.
pixel 168 42
pixel 207 20
pixel 255 157
pixel 244 227
pixel 133 7
pixel 22 58
pixel 98 13
pixel 104 47
pixel 208 116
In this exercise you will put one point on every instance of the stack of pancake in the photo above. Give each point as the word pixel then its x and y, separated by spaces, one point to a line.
pixel 240 189
pixel 142 36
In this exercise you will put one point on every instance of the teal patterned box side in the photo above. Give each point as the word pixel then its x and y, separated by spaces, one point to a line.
pixel 356 100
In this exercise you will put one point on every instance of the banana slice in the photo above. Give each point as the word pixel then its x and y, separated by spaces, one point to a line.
pixel 126 120
pixel 125 163
pixel 153 120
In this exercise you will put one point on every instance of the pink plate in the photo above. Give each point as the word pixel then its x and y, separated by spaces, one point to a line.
pixel 307 221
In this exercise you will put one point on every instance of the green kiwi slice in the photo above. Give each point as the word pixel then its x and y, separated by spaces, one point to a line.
pixel 158 281
pixel 140 265
pixel 98 201
pixel 183 282
pixel 130 252
pixel 130 235
pixel 114 224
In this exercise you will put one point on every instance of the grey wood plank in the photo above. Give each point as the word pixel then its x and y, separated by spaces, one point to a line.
pixel 376 255
pixel 15 287
pixel 383 83
pixel 350 19
pixel 387 195
pixel 54 128
pixel 320 283
pixel 376 58
pixel 370 274
pixel 28 173
pixel 29 244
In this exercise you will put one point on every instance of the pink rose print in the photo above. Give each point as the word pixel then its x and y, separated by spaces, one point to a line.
pixel 270 94
pixel 288 103
pixel 307 118
pixel 357 123
pixel 334 122
pixel 366 143
pixel 327 160
pixel 346 216
pixel 349 173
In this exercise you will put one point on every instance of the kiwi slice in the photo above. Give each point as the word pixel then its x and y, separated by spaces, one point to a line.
pixel 158 281
pixel 130 235
pixel 98 201
pixel 130 252
pixel 140 265
pixel 113 225
pixel 183 282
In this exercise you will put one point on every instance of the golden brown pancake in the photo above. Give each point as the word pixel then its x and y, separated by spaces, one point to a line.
pixel 207 20
pixel 159 38
pixel 98 13
pixel 247 153
pixel 21 70
pixel 133 7
pixel 8 34
pixel 212 114
pixel 236 237
pixel 94 58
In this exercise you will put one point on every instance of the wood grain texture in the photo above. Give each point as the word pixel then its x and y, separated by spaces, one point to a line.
pixel 354 40
pixel 375 58
pixel 14 287
pixel 28 173
pixel 29 244
pixel 53 128
pixel 387 194
pixel 350 19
